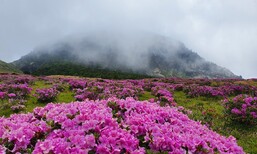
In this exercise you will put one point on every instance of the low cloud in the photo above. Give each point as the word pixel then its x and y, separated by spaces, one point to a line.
pixel 223 32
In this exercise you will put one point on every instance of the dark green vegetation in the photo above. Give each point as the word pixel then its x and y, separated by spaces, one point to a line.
pixel 64 63
pixel 68 68
pixel 8 68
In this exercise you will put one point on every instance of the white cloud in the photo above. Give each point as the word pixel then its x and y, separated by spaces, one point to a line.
pixel 221 31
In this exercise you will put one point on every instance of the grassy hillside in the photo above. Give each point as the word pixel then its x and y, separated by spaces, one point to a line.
pixel 8 68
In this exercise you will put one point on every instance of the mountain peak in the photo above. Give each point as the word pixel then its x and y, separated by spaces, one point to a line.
pixel 142 53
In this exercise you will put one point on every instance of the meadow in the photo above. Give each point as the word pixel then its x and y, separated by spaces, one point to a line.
pixel 67 114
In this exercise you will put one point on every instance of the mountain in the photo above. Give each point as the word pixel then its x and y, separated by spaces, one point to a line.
pixel 142 53
pixel 8 68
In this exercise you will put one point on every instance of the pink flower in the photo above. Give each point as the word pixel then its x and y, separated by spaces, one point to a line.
pixel 2 149
pixel 11 95
pixel 253 114
pixel 236 111
pixel 2 95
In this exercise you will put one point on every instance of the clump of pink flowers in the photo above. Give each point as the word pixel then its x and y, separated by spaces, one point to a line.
pixel 242 108
pixel 46 94
pixel 109 126
pixel 206 91
pixel 2 95
pixel 19 90
pixel 17 108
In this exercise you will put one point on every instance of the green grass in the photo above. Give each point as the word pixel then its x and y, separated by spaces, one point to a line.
pixel 32 100
pixel 65 96
pixel 39 84
pixel 145 96
pixel 246 135
pixel 8 68
pixel 5 111
pixel 32 103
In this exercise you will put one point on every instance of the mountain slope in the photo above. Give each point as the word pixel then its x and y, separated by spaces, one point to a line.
pixel 69 68
pixel 8 68
pixel 147 54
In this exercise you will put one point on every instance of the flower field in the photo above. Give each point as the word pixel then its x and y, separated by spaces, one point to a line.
pixel 61 114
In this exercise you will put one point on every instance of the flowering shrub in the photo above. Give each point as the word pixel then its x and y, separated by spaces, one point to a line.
pixel 21 90
pixel 11 101
pixel 160 129
pixel 11 95
pixel 242 108
pixel 2 95
pixel 23 80
pixel 17 108
pixel 109 126
pixel 20 132
pixel 221 91
pixel 207 91
pixel 77 84
pixel 104 89
pixel 164 96
pixel 46 95
pixel 84 94
pixel 59 87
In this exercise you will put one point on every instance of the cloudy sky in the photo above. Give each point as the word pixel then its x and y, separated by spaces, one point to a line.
pixel 221 31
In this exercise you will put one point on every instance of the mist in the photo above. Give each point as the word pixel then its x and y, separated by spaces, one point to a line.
pixel 223 32
pixel 115 49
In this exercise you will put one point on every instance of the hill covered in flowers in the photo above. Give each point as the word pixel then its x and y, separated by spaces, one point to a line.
pixel 65 114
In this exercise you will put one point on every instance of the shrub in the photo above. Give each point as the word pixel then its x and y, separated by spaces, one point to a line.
pixel 21 90
pixel 46 95
pixel 17 108
pixel 2 95
pixel 242 108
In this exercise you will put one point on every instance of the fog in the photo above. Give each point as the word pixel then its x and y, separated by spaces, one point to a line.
pixel 224 32
pixel 115 49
